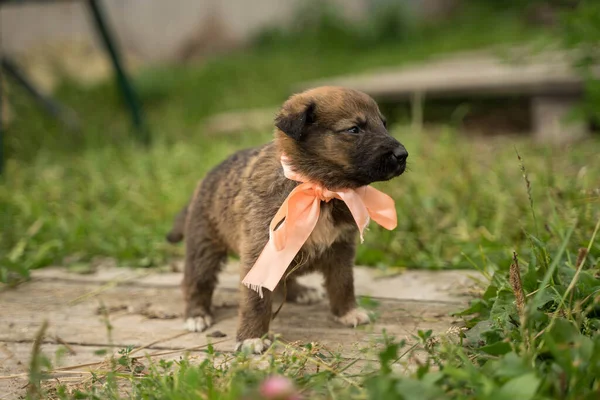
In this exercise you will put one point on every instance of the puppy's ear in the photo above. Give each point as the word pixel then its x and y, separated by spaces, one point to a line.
pixel 294 122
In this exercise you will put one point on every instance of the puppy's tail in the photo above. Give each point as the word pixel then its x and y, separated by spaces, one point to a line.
pixel 176 233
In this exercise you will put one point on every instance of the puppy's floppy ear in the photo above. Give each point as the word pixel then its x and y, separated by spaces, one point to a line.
pixel 294 122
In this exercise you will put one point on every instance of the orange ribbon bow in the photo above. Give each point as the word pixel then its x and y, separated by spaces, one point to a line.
pixel 300 213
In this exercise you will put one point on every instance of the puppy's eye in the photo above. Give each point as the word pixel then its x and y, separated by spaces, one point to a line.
pixel 354 129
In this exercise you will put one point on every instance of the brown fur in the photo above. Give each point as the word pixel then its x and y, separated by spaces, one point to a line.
pixel 233 206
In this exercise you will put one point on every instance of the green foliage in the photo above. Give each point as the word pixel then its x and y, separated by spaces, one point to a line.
pixel 556 341
pixel 548 347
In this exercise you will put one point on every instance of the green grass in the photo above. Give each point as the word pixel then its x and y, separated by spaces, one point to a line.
pixel 459 201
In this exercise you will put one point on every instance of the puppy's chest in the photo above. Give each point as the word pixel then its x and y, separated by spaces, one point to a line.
pixel 327 231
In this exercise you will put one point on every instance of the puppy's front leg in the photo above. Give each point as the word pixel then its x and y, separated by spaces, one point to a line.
pixel 254 317
pixel 339 283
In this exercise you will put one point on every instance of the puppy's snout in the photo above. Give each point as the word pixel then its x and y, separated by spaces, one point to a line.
pixel 400 154
pixel 398 158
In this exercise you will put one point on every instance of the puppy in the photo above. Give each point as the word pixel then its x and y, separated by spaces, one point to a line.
pixel 333 137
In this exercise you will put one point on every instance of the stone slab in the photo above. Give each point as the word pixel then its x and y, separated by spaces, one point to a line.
pixel 446 285
pixel 477 73
pixel 138 316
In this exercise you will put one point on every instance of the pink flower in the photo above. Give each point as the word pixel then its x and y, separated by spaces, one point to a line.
pixel 278 388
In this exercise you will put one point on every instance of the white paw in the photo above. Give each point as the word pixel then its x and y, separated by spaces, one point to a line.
pixel 253 346
pixel 309 296
pixel 354 317
pixel 198 324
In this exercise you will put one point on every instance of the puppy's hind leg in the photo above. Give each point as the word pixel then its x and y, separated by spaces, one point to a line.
pixel 203 261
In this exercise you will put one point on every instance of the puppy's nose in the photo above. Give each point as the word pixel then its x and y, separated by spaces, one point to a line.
pixel 400 154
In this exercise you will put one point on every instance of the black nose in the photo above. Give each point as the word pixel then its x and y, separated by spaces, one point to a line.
pixel 400 153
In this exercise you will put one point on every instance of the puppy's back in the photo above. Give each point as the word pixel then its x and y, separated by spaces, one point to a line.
pixel 215 204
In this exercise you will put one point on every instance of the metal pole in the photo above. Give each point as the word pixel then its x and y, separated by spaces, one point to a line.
pixel 122 79
pixel 65 114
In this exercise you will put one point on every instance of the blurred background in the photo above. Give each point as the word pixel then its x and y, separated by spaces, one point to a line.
pixel 496 101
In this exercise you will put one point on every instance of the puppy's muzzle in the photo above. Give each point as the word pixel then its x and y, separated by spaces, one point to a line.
pixel 395 160
pixel 399 156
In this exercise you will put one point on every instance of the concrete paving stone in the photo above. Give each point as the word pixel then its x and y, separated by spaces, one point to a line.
pixel 448 285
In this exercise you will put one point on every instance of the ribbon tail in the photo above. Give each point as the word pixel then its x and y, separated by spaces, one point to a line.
pixel 273 262
pixel 269 268
pixel 381 207
pixel 359 212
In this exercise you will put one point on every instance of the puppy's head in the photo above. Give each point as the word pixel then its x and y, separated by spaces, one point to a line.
pixel 338 138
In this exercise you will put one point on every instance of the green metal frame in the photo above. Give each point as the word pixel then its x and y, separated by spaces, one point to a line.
pixel 100 20
pixel 65 114
pixel 122 79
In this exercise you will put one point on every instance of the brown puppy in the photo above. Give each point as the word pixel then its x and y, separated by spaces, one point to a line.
pixel 336 137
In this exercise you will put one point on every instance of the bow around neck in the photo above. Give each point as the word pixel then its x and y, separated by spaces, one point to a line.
pixel 297 217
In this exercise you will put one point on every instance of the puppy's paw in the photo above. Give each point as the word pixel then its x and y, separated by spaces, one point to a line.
pixel 198 324
pixel 354 317
pixel 253 346
pixel 305 295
